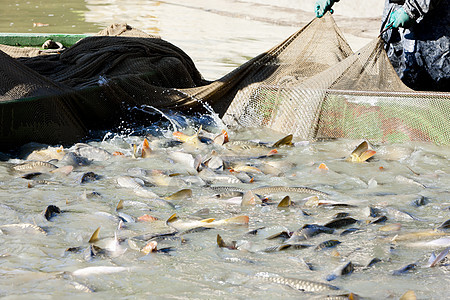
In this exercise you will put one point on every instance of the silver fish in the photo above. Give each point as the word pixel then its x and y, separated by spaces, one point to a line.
pixel 91 152
pixel 35 166
pixel 288 189
pixel 99 270
pixel 8 228
pixel 137 186
pixel 299 284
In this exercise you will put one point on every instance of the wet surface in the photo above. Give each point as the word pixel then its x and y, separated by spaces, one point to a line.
pixel 389 210
pixel 392 208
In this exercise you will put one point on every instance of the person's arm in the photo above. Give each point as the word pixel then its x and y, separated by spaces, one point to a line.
pixel 417 9
pixel 322 6
pixel 411 11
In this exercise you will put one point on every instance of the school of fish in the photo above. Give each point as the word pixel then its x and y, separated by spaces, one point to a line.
pixel 206 212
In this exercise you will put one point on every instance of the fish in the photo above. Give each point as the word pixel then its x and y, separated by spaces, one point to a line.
pixel 32 175
pixel 88 177
pixel 391 227
pixel 74 160
pixel 361 153
pixel 22 228
pixel 349 231
pixel 264 190
pixel 340 222
pixel 302 285
pixel 51 211
pixel 441 242
pixel 157 237
pixel 418 235
pixel 138 188
pixel 150 247
pixel 308 231
pixel 222 138
pixel 221 243
pixel 248 145
pixel 146 151
pixel 445 225
pixel 285 202
pixel 47 154
pixel 286 246
pixel 421 201
pixel 82 287
pixel 214 162
pixel 403 179
pixel 405 269
pixel 349 296
pixel 91 153
pixel 435 260
pixel 250 198
pixel 227 191
pixel 94 237
pixel 345 269
pixel 179 225
pixel 34 166
pixel 327 244
pixel 91 252
pixel 373 261
pixel 99 270
pixel 180 195
pixel 340 215
pixel 246 168
pixel 125 217
pixel 409 295
pixel 379 220
pixel 192 140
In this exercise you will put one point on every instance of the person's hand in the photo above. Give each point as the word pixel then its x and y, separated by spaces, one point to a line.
pixel 399 18
pixel 322 6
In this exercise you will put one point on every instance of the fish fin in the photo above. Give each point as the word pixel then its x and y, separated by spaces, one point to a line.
pixel 134 150
pixel 366 155
pixel 181 194
pixel 440 257
pixel 219 139
pixel 225 135
pixel 409 295
pixel 198 131
pixel 208 220
pixel 323 166
pixel 272 152
pixel 94 236
pixel 220 241
pixel 285 202
pixel 237 220
pixel 119 205
pixel 287 140
pixel 145 149
pixel 150 247
pixel 172 218
pixel 364 146
pixel 180 136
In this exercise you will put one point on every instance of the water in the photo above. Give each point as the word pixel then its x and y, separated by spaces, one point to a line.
pixel 36 265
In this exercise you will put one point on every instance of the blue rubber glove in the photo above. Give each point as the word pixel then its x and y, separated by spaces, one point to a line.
pixel 322 6
pixel 399 18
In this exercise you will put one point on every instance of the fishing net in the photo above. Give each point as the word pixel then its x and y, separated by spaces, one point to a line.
pixel 311 85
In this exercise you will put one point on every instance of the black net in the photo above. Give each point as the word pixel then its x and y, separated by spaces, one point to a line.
pixel 310 85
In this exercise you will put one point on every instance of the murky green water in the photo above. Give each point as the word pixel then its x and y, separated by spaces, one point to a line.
pixel 37 265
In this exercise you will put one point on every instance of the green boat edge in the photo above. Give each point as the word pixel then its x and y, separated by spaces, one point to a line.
pixel 37 39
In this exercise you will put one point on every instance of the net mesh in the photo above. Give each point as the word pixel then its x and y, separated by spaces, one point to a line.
pixel 311 85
